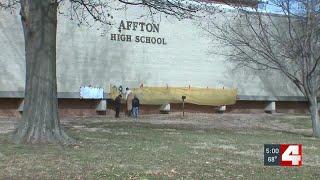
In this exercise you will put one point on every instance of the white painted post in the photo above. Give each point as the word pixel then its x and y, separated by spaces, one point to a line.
pixel 165 108
pixel 102 106
pixel 271 107
pixel 20 108
pixel 222 109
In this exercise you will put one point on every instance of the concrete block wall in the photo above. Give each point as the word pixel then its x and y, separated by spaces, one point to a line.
pixel 88 56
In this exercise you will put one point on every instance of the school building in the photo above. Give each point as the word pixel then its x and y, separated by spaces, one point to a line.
pixel 155 51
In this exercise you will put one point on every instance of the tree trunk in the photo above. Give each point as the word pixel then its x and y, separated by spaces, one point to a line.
pixel 313 108
pixel 40 122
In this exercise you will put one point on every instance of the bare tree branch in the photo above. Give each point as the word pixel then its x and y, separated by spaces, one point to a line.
pixel 8 4
pixel 287 42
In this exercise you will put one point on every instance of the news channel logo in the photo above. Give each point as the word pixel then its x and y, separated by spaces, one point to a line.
pixel 283 154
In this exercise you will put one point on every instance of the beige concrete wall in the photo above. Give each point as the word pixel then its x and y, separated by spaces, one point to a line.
pixel 88 56
pixel 12 64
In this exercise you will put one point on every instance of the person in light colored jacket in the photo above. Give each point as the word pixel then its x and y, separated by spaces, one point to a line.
pixel 128 91
pixel 129 104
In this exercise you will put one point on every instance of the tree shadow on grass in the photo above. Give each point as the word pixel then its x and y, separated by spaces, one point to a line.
pixel 303 134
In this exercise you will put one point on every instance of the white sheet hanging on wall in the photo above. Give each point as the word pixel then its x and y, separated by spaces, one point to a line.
pixel 87 92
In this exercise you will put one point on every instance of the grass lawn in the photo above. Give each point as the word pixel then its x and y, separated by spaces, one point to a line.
pixel 191 148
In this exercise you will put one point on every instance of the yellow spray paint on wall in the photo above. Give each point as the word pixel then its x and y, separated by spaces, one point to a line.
pixel 199 96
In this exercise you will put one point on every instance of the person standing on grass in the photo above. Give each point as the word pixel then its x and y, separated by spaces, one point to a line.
pixel 129 104
pixel 117 105
pixel 128 97
pixel 135 107
pixel 128 91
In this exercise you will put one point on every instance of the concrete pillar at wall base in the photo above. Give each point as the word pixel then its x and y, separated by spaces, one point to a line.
pixel 271 107
pixel 20 108
pixel 102 105
pixel 165 109
pixel 222 109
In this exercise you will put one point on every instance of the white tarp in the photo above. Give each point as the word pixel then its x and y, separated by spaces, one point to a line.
pixel 88 92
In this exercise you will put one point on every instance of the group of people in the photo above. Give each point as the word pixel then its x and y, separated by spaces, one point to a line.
pixel 132 104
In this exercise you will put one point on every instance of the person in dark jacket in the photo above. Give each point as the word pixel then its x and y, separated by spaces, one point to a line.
pixel 117 105
pixel 135 107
